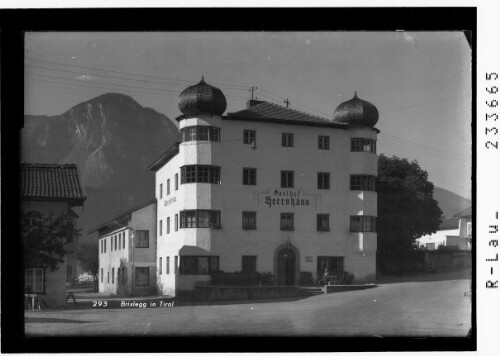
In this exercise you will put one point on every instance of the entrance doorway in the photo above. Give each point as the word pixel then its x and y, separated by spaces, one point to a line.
pixel 286 264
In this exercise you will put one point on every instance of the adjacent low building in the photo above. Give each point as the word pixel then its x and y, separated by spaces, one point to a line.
pixel 127 252
pixel 266 189
pixel 51 195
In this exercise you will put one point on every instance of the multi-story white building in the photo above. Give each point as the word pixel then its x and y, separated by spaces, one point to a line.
pixel 267 189
pixel 127 252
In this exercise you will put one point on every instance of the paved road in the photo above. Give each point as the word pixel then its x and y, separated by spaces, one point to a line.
pixel 437 308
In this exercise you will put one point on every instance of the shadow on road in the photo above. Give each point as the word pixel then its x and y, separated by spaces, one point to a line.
pixel 55 320
pixel 444 274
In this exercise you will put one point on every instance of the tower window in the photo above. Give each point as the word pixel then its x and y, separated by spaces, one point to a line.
pixel 363 223
pixel 362 182
pixel 249 137
pixel 200 219
pixel 161 191
pixel 323 142
pixel 200 133
pixel 323 180
pixel 200 174
pixel 363 145
pixel 287 179
pixel 287 140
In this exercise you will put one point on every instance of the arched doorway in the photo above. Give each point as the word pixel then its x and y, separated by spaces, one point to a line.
pixel 287 265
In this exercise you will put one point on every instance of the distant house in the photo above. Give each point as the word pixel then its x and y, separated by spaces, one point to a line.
pixel 127 252
pixel 453 233
pixel 51 192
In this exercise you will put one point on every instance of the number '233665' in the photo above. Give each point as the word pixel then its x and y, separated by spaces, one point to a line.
pixel 493 103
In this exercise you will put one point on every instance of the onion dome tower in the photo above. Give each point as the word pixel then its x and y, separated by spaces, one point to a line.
pixel 361 117
pixel 356 112
pixel 202 98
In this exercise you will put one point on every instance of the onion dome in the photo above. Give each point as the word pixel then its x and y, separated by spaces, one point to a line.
pixel 356 112
pixel 202 99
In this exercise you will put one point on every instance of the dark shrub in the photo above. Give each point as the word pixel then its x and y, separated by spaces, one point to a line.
pixel 305 279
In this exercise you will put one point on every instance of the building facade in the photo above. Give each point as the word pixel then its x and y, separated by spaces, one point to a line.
pixel 266 189
pixel 127 252
pixel 51 195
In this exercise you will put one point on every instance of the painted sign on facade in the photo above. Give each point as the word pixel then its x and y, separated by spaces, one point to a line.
pixel 286 197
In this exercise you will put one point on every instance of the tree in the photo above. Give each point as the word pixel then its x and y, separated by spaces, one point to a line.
pixel 43 240
pixel 406 209
pixel 88 256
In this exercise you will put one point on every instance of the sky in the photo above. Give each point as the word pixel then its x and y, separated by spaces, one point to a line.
pixel 420 82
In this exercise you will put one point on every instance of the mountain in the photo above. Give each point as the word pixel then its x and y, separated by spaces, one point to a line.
pixel 450 203
pixel 112 139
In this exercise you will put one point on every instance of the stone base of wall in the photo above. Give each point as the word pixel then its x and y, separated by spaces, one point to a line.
pixel 344 288
pixel 213 293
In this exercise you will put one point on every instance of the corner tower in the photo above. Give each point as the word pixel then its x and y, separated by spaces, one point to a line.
pixel 361 116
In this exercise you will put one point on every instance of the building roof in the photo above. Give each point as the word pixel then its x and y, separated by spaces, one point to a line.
pixel 464 213
pixel 449 224
pixel 164 158
pixel 269 112
pixel 123 214
pixel 57 182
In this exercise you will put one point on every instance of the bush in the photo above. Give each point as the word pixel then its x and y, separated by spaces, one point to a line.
pixel 306 279
pixel 222 278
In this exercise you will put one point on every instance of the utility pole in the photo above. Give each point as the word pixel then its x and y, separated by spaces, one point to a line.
pixel 252 90
pixel 287 102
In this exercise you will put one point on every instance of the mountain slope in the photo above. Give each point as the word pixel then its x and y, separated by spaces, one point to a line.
pixel 450 203
pixel 112 139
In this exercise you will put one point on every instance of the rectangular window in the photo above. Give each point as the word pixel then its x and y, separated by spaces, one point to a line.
pixel 333 264
pixel 323 222
pixel 176 264
pixel 323 142
pixel 199 265
pixel 200 219
pixel 200 174
pixel 176 222
pixel 287 140
pixel 108 277
pixel 249 137
pixel 142 238
pixel 363 223
pixel 287 179
pixel 161 191
pixel 124 239
pixel 168 265
pixel 168 186
pixel 102 276
pixel 323 180
pixel 33 281
pixel 200 133
pixel 116 242
pixel 249 176
pixel 168 225
pixel 104 245
pixel 160 266
pixel 363 145
pixel 111 242
pixel 142 276
pixel 362 182
pixel 249 220
pixel 248 264
pixel 176 181
pixel 161 227
pixel 113 275
pixel 286 222
pixel 119 238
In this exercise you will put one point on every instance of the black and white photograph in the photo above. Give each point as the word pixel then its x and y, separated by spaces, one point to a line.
pixel 248 183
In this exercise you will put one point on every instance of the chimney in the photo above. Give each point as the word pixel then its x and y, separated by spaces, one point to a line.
pixel 253 102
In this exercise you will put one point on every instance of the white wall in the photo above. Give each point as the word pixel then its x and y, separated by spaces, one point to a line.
pixel 232 197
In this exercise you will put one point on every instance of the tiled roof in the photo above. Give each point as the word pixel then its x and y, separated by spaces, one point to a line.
pixel 449 224
pixel 464 213
pixel 269 112
pixel 40 181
